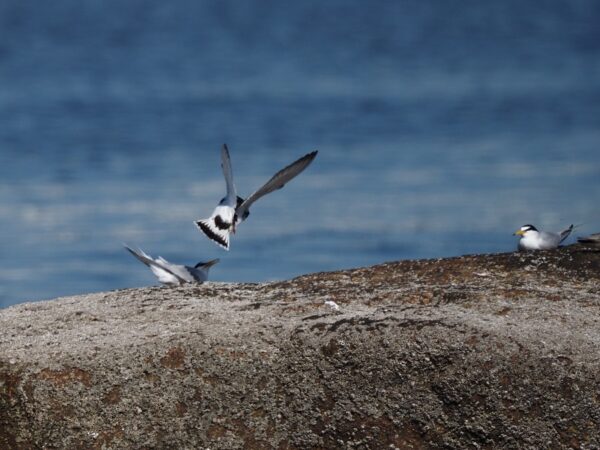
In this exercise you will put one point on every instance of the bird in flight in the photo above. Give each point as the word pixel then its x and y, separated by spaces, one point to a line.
pixel 232 209
pixel 174 274
pixel 533 239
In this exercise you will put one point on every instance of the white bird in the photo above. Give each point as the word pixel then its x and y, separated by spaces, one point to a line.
pixel 532 239
pixel 174 274
pixel 591 239
pixel 232 209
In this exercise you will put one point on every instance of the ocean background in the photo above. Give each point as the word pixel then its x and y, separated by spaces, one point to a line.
pixel 441 128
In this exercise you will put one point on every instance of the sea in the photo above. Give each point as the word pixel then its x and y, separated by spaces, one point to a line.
pixel 441 128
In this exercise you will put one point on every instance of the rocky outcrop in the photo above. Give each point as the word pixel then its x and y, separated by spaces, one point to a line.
pixel 490 351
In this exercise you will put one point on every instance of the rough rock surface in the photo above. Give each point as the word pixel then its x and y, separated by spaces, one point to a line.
pixel 488 351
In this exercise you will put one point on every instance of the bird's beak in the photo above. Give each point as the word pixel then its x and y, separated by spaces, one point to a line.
pixel 211 262
pixel 519 233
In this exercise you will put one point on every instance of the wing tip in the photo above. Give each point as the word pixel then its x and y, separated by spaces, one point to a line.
pixel 307 159
pixel 140 255
pixel 312 155
pixel 131 250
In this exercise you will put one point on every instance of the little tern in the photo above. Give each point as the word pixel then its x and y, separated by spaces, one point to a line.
pixel 232 209
pixel 533 239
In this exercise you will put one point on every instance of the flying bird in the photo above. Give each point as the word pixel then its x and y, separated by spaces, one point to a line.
pixel 593 239
pixel 233 209
pixel 533 239
pixel 174 274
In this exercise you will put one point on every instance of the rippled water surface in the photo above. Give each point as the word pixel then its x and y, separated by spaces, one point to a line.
pixel 440 130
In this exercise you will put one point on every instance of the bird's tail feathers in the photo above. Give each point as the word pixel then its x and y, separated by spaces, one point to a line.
pixel 218 236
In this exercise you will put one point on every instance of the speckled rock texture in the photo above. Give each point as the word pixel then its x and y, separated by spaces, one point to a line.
pixel 487 351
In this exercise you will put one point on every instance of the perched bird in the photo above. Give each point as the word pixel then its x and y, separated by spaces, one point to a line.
pixel 174 274
pixel 232 209
pixel 532 239
pixel 591 239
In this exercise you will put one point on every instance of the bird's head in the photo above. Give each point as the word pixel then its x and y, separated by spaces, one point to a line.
pixel 206 265
pixel 524 230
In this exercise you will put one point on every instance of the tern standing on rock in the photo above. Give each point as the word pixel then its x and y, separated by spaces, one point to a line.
pixel 174 274
pixel 532 239
pixel 232 209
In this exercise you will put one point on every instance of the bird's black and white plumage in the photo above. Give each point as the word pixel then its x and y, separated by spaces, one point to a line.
pixel 233 210
pixel 533 239
pixel 593 239
pixel 174 274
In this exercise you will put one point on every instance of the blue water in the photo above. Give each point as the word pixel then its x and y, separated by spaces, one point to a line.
pixel 441 128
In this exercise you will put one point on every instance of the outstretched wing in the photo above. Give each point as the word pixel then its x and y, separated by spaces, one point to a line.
pixel 277 181
pixel 228 174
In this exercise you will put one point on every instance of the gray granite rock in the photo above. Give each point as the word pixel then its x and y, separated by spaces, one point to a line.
pixel 488 351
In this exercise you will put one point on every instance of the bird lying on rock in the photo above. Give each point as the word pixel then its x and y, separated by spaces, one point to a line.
pixel 174 274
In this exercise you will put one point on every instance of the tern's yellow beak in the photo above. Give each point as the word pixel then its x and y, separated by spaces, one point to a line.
pixel 519 233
